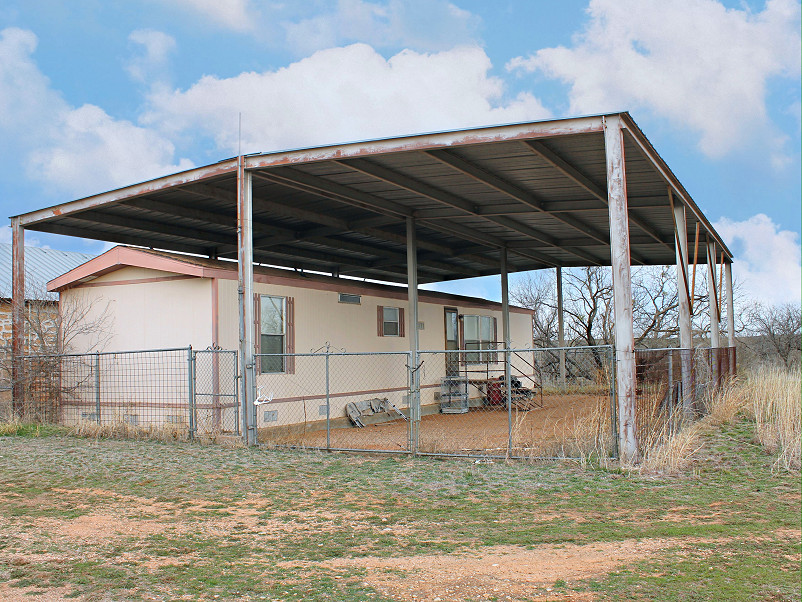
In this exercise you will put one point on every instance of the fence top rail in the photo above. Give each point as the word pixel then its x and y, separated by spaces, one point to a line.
pixel 104 353
pixel 437 351
pixel 333 353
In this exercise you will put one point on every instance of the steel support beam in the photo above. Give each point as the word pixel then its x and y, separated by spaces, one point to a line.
pixel 412 296
pixel 683 304
pixel 714 312
pixel 246 302
pixel 505 330
pixel 622 290
pixel 17 316
pixel 561 325
pixel 730 306
pixel 713 300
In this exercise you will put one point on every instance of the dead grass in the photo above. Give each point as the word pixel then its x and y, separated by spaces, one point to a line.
pixel 771 397
pixel 768 396
pixel 123 430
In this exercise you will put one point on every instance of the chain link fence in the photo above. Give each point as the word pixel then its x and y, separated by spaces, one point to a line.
pixel 368 401
pixel 675 385
pixel 170 393
pixel 549 403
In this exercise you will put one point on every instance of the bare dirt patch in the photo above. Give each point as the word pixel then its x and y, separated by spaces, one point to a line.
pixel 479 430
pixel 504 572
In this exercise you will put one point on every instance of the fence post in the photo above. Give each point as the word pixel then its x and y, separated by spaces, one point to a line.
pixel 328 402
pixel 613 401
pixel 191 390
pixel 97 387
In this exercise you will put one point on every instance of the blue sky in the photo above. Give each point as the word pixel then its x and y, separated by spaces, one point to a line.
pixel 96 94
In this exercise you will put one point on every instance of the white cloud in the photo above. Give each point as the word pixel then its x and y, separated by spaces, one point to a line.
pixel 343 94
pixel 767 259
pixel 417 24
pixel 695 62
pixel 152 63
pixel 233 14
pixel 305 27
pixel 71 150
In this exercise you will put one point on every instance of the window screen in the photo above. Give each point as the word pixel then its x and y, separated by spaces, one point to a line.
pixel 390 323
pixel 272 332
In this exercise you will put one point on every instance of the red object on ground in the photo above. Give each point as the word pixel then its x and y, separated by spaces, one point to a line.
pixel 494 394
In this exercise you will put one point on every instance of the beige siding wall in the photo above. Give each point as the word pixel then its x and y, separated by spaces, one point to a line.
pixel 320 318
pixel 149 314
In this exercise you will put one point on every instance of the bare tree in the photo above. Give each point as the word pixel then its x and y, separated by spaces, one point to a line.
pixel 775 333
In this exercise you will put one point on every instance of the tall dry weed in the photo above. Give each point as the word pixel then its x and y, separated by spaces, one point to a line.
pixel 772 398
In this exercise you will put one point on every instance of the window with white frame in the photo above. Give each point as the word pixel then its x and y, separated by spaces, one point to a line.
pixel 272 332
pixel 390 321
pixel 480 338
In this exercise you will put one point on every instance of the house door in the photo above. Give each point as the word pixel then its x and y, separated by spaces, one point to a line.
pixel 452 341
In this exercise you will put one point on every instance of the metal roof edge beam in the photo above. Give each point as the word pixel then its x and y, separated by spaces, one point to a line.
pixel 129 192
pixel 518 131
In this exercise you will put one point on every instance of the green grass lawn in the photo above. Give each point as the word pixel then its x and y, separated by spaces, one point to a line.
pixel 132 520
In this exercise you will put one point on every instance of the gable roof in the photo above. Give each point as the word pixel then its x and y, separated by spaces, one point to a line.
pixel 201 267
pixel 41 266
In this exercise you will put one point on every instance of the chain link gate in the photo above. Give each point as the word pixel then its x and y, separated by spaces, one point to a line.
pixel 215 400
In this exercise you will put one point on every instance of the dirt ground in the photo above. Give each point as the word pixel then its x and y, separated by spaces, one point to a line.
pixel 563 422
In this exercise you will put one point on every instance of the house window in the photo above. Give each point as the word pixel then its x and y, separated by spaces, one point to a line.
pixel 272 333
pixel 390 321
pixel 350 299
pixel 480 337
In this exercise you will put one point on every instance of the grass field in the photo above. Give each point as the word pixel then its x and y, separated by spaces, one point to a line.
pixel 139 520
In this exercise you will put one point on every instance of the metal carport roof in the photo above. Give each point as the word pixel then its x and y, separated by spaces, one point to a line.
pixel 537 189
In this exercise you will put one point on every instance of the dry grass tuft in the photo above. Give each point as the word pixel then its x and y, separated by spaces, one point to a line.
pixel 769 396
pixel 123 430
pixel 772 399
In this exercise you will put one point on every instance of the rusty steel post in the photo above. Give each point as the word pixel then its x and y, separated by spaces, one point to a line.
pixel 414 336
pixel 561 326
pixel 683 304
pixel 714 312
pixel 730 318
pixel 505 329
pixel 622 289
pixel 246 301
pixel 17 316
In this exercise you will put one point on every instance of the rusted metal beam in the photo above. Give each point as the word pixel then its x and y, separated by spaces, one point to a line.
pixel 636 135
pixel 441 196
pixel 509 189
pixel 622 290
pixel 524 131
pixel 129 192
pixel 572 172
pixel 17 316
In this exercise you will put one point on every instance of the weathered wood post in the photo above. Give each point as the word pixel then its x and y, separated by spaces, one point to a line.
pixel 622 289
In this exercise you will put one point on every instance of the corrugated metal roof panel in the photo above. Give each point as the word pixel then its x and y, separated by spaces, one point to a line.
pixel 41 266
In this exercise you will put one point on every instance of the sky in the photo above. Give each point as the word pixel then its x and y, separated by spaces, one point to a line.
pixel 98 94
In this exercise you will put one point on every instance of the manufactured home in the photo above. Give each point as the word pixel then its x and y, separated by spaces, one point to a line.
pixel 159 300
